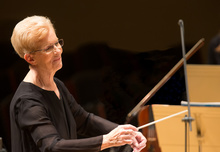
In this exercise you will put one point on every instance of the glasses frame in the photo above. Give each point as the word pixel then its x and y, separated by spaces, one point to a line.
pixel 51 47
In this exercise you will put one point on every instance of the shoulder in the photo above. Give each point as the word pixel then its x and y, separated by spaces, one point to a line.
pixel 26 92
pixel 61 86
pixel 67 95
pixel 57 80
pixel 59 83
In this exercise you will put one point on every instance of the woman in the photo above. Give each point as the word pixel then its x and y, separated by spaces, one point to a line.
pixel 44 115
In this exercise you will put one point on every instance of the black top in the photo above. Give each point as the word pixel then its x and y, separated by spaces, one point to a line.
pixel 214 56
pixel 40 121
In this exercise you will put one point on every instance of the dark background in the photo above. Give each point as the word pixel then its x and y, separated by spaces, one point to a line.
pixel 115 51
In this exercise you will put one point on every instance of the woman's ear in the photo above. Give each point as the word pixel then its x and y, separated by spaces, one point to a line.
pixel 30 59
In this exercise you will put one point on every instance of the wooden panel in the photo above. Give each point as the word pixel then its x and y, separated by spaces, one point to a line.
pixel 204 83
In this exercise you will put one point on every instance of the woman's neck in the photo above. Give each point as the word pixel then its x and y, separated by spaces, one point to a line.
pixel 43 79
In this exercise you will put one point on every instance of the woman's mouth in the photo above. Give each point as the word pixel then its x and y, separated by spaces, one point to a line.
pixel 57 59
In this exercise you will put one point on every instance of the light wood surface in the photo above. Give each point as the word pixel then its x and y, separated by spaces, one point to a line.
pixel 205 129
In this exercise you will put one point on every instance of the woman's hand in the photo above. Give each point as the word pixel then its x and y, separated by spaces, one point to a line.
pixel 124 134
pixel 139 142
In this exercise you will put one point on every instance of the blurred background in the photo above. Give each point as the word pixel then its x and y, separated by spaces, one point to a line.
pixel 115 52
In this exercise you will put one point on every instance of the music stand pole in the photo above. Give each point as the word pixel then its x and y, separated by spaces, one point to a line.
pixel 186 119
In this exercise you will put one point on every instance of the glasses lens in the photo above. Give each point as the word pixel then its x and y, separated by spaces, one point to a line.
pixel 61 42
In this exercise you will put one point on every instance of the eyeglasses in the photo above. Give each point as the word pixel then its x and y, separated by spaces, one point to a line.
pixel 49 49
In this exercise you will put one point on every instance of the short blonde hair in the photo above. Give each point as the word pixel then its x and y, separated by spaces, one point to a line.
pixel 29 32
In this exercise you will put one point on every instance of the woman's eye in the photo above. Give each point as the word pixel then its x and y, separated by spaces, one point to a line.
pixel 57 43
pixel 49 49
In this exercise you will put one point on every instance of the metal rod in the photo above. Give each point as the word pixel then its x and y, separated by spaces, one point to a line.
pixel 185 71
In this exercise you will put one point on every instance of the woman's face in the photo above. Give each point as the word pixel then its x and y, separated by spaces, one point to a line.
pixel 49 61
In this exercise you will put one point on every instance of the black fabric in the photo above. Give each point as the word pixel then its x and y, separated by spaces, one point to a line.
pixel 40 121
pixel 213 55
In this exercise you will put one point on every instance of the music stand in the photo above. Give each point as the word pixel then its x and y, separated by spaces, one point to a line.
pixel 204 82
pixel 205 134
